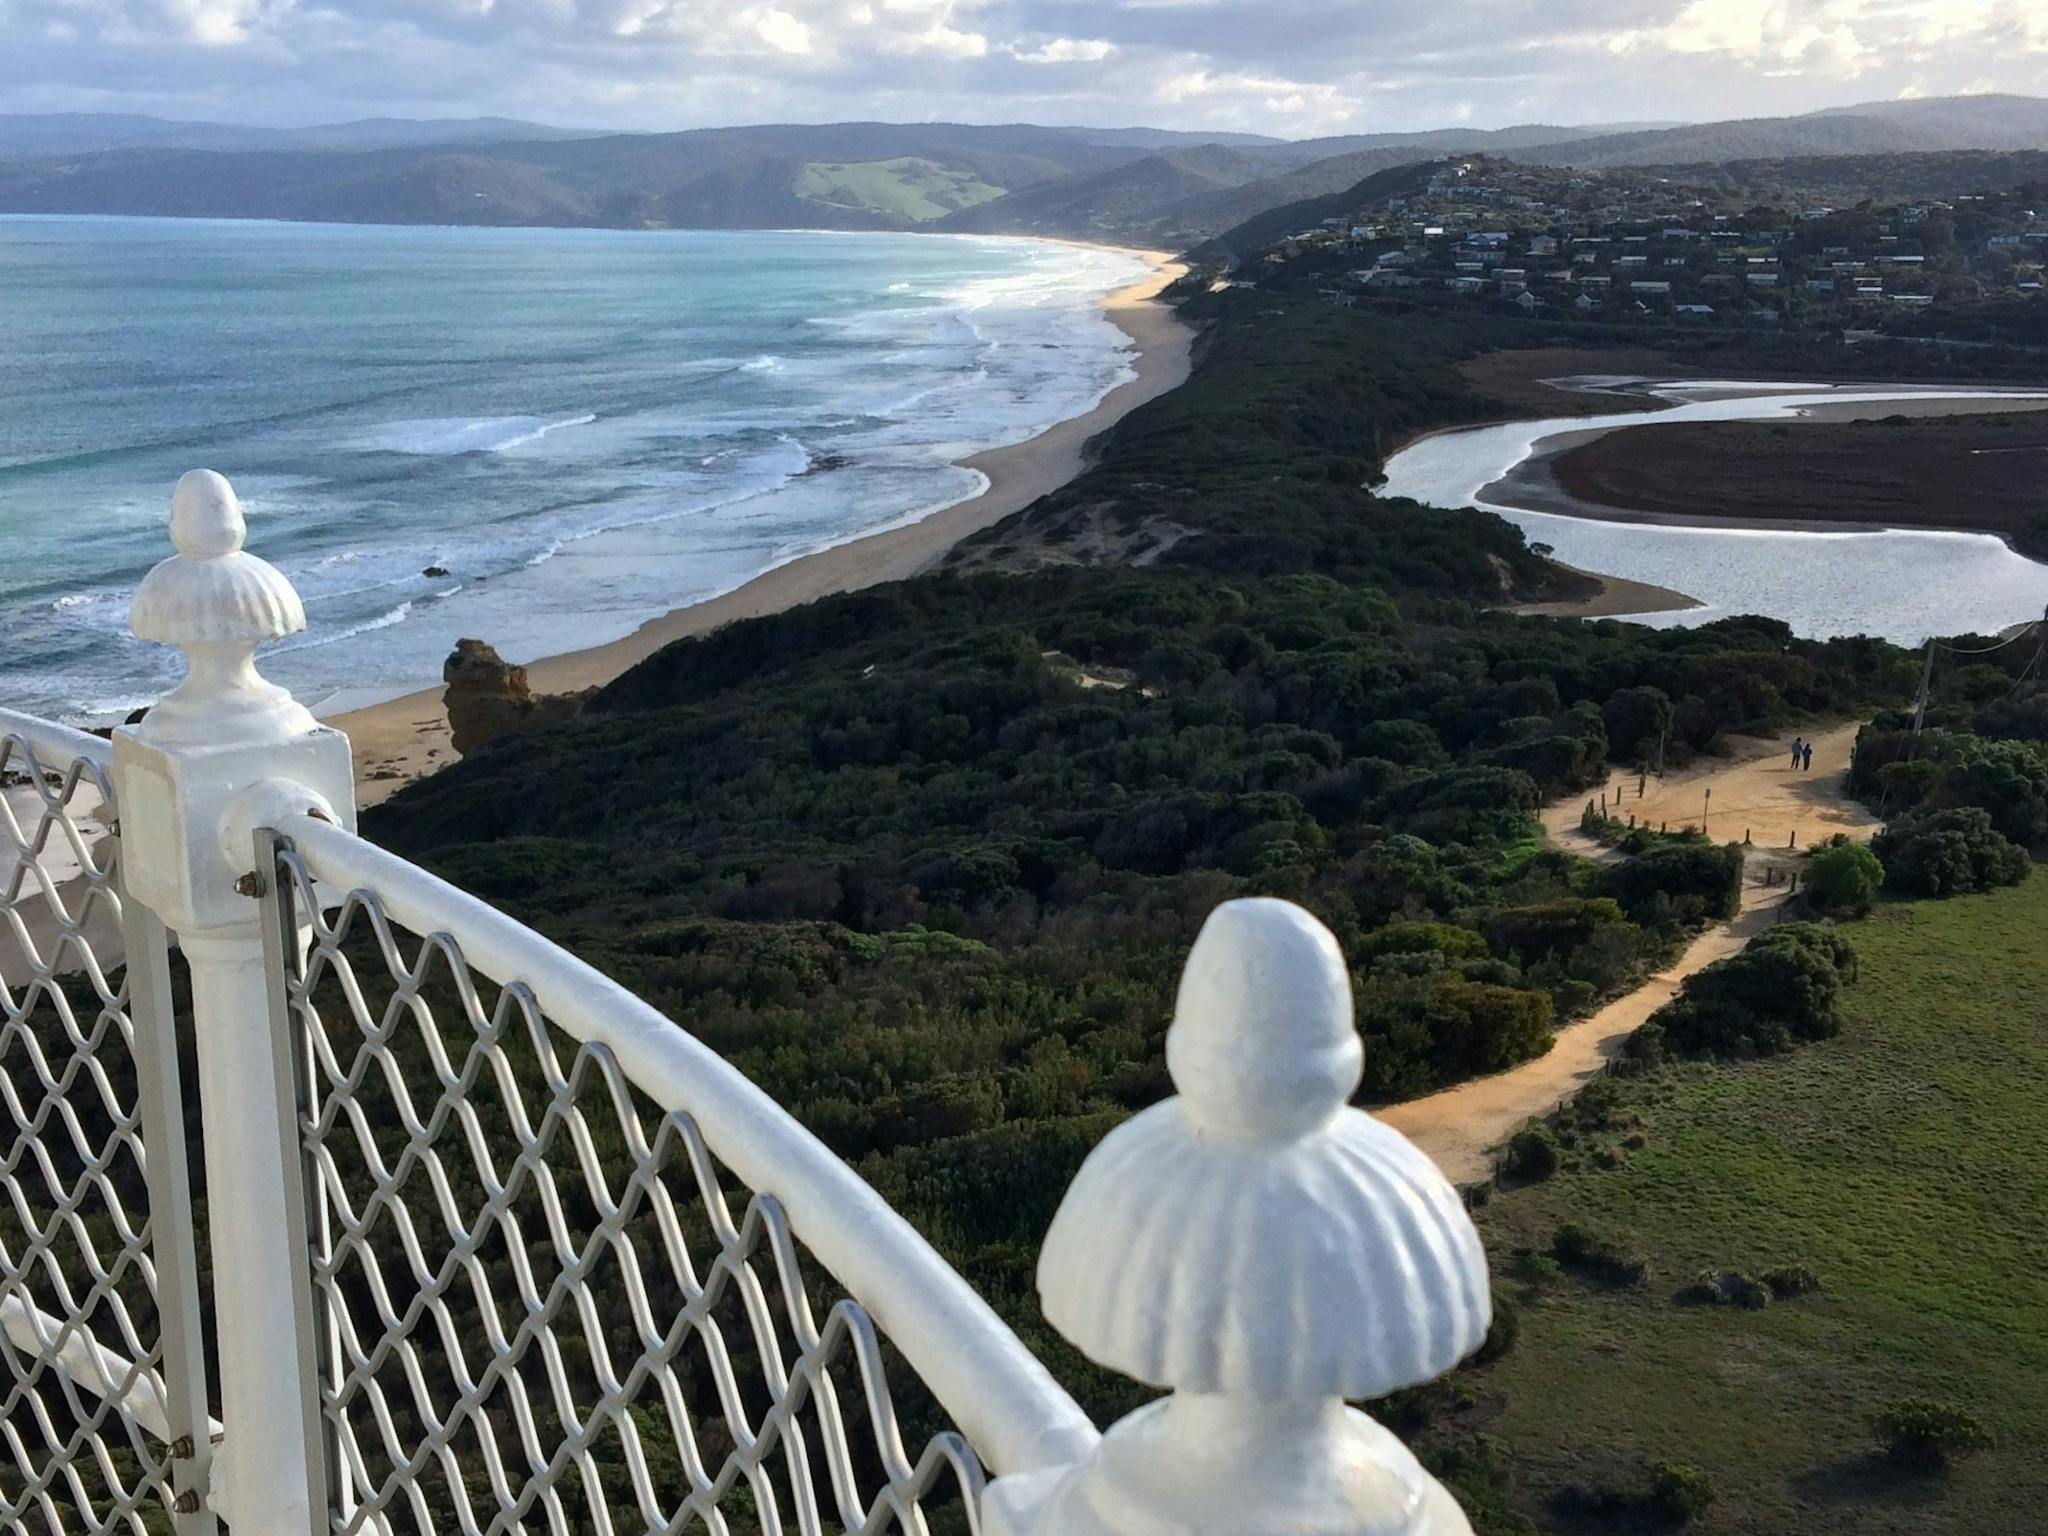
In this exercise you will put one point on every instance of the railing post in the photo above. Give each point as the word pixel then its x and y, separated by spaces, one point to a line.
pixel 223 753
pixel 1268 1253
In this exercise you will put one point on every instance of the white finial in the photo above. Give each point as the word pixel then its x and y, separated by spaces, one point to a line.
pixel 206 516
pixel 1262 1042
pixel 217 604
pixel 1267 1252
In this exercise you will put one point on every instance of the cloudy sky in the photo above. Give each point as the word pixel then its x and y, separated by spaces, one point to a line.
pixel 1293 67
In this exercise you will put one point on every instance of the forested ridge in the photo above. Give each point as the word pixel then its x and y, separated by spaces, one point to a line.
pixel 923 861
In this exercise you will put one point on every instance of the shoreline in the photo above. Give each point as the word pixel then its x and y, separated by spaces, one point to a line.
pixel 1532 486
pixel 398 740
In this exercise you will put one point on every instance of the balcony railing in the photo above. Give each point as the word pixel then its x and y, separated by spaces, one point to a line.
pixel 479 1242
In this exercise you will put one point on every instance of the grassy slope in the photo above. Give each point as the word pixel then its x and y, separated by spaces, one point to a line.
pixel 1907 1163
pixel 906 188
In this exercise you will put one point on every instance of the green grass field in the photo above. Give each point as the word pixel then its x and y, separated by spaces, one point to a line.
pixel 906 188
pixel 1906 1163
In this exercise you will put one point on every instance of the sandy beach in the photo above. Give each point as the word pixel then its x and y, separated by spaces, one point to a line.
pixel 403 738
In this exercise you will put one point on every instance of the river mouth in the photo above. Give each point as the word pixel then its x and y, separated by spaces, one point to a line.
pixel 1825 581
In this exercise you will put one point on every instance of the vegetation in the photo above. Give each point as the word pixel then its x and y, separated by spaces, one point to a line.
pixel 1895 1163
pixel 909 188
pixel 1932 852
pixel 1843 877
pixel 923 861
pixel 1785 987
pixel 1929 1435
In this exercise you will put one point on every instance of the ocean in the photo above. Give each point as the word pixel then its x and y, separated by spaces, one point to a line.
pixel 540 438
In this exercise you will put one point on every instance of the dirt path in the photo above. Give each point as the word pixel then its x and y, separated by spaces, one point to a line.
pixel 1760 792
pixel 1758 795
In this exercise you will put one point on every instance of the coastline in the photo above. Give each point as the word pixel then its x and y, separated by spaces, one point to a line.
pixel 1533 486
pixel 402 739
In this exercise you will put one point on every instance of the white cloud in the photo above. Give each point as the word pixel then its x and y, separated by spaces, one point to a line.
pixel 1065 50
pixel 1273 66
pixel 783 31
pixel 938 38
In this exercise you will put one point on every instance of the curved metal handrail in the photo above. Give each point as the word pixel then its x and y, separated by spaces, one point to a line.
pixel 1012 1411
pixel 60 741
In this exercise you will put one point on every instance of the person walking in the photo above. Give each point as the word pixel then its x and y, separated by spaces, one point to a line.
pixel 1806 757
pixel 1797 747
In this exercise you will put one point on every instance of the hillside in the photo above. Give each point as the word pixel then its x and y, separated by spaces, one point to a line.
pixel 1877 128
pixel 733 178
pixel 1266 228
pixel 1133 185
pixel 86 133
pixel 1120 201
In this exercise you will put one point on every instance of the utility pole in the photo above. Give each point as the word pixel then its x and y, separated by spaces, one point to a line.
pixel 1926 684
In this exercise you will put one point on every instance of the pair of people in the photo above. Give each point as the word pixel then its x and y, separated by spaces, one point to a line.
pixel 1802 754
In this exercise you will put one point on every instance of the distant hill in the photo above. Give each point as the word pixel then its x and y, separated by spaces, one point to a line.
pixel 1275 224
pixel 1122 202
pixel 1877 128
pixel 1134 185
pixel 1450 141
pixel 842 175
pixel 84 133
pixel 1849 179
pixel 1846 179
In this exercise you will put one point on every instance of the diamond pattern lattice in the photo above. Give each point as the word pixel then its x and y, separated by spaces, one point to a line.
pixel 82 1413
pixel 538 1308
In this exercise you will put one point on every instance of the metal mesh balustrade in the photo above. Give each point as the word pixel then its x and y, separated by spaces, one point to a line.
pixel 86 1419
pixel 541 1302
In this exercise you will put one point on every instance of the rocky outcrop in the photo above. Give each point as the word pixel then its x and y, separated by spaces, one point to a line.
pixel 489 699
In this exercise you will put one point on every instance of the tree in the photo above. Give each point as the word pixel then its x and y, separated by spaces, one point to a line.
pixel 1786 987
pixel 1687 882
pixel 1930 852
pixel 1843 877
pixel 1638 722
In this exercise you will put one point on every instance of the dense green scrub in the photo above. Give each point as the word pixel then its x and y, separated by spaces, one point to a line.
pixel 924 861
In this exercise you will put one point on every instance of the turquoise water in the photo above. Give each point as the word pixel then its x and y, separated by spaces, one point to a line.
pixel 582 429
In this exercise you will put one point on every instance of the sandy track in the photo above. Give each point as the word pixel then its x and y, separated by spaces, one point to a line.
pixel 1460 1127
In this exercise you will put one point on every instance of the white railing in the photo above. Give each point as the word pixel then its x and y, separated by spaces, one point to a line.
pixel 98 1295
pixel 495 1247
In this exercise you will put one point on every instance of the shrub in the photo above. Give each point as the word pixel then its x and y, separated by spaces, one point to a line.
pixel 1946 852
pixel 1844 877
pixel 1686 881
pixel 1535 1269
pixel 1703 1290
pixel 1532 1153
pixel 1726 1288
pixel 1549 928
pixel 1501 1333
pixel 1598 1257
pixel 1446 939
pixel 1678 1492
pixel 1928 1434
pixel 1644 1049
pixel 1478 1027
pixel 1788 1281
pixel 1638 720
pixel 1784 988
